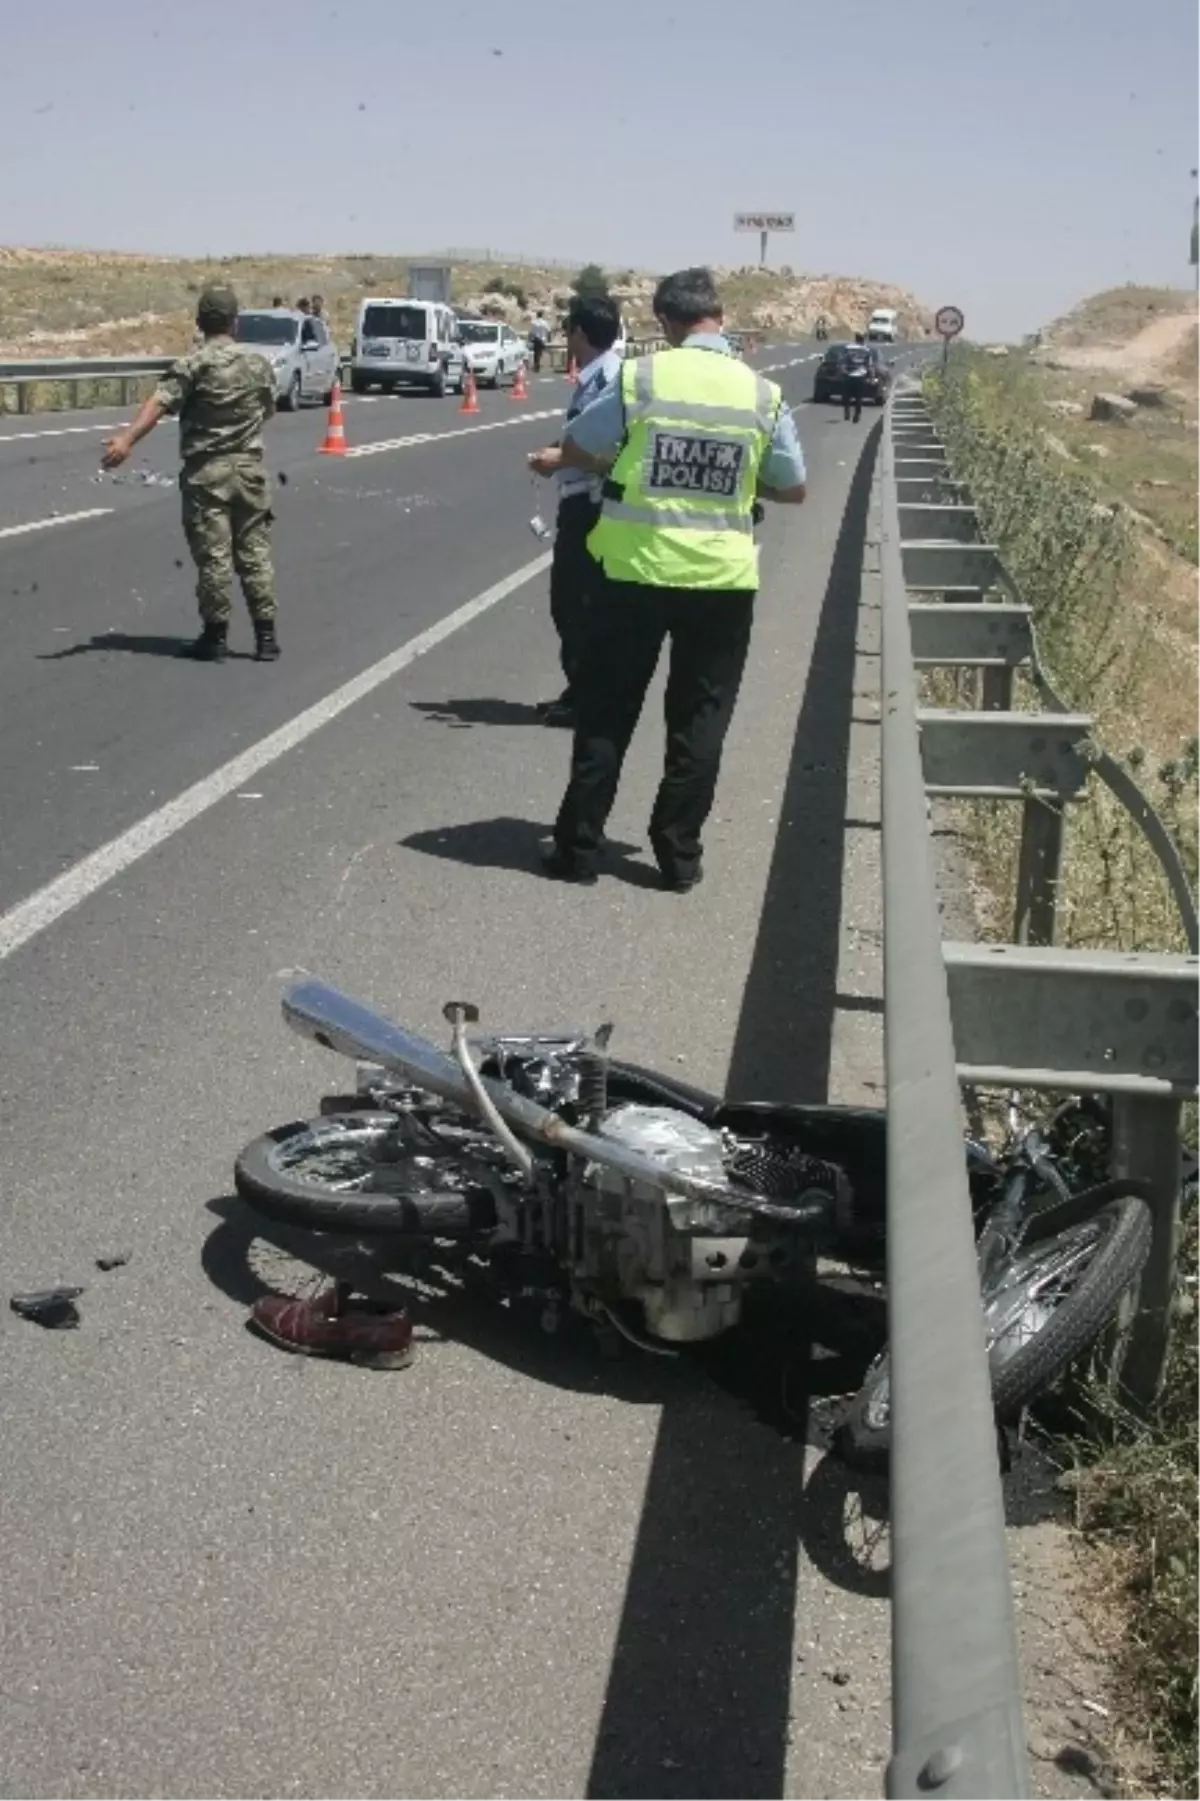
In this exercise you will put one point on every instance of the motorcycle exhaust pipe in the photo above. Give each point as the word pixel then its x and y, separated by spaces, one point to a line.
pixel 338 1023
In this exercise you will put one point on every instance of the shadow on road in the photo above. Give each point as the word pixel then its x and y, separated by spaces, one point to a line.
pixel 782 1048
pixel 493 843
pixel 460 714
pixel 698 1699
pixel 142 645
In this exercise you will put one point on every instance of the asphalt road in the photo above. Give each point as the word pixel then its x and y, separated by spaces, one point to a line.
pixel 511 1569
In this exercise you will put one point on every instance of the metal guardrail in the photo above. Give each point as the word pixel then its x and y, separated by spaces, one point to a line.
pixel 26 375
pixel 1025 1014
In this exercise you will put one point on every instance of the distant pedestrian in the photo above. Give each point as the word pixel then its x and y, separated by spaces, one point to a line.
pixel 318 306
pixel 593 327
pixel 856 366
pixel 304 305
pixel 278 301
pixel 539 339
pixel 223 394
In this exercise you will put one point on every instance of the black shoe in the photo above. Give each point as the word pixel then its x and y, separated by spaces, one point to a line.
pixel 681 884
pixel 266 644
pixel 210 646
pixel 558 712
pixel 562 868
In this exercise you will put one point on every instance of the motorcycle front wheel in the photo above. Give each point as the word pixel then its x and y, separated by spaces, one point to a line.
pixel 1046 1307
pixel 354 1173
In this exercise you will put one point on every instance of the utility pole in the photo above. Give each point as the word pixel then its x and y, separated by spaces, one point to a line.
pixel 1195 250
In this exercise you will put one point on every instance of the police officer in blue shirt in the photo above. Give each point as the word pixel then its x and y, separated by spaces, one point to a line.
pixel 689 441
pixel 593 326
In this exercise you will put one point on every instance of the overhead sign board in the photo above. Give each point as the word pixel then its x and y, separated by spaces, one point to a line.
pixel 948 321
pixel 764 221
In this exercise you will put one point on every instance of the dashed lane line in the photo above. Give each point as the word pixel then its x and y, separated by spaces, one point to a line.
pixel 41 525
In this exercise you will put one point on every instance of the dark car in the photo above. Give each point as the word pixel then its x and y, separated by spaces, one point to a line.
pixel 827 383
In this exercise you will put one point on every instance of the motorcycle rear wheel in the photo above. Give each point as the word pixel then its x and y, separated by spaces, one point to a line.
pixel 349 1173
pixel 1050 1305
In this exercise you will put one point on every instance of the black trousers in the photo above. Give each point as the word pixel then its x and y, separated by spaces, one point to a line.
pixel 539 351
pixel 852 396
pixel 574 573
pixel 626 625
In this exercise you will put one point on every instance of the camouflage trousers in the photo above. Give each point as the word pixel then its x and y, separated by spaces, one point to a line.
pixel 227 522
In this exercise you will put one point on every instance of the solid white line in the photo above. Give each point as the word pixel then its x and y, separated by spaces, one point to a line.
pixel 58 431
pixel 74 885
pixel 41 525
pixel 462 431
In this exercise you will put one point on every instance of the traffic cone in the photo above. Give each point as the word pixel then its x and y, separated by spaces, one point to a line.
pixel 335 431
pixel 519 390
pixel 470 399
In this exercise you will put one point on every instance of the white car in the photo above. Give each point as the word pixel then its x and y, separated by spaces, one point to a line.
pixel 493 350
pixel 299 349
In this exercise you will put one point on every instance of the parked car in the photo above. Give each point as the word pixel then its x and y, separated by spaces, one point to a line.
pixel 493 350
pixel 406 343
pixel 299 350
pixel 827 383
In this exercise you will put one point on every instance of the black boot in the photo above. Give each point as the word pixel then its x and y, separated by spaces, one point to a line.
pixel 209 647
pixel 266 644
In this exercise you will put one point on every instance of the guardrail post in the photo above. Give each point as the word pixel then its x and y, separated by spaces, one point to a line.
pixel 997 695
pixel 1146 1144
pixel 73 395
pixel 24 393
pixel 127 389
pixel 1038 869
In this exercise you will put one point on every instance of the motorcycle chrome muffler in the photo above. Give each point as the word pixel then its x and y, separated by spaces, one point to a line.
pixel 338 1023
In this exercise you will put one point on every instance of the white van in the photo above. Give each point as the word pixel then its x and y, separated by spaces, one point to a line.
pixel 883 325
pixel 406 343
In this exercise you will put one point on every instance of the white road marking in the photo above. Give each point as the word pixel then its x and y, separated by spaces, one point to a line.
pixel 462 431
pixel 42 525
pixel 75 885
pixel 58 431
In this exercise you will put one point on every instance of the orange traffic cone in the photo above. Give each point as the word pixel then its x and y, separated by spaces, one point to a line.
pixel 519 390
pixel 470 399
pixel 335 431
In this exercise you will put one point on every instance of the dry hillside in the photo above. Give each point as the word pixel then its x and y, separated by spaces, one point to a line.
pixel 74 302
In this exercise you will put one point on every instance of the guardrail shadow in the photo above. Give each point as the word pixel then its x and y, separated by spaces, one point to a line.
pixel 699 1693
pixel 785 1032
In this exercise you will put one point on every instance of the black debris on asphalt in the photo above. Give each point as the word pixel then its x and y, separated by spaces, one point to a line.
pixel 52 1307
pixel 114 1260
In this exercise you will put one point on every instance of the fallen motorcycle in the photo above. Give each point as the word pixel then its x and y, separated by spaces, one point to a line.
pixel 580 1182
pixel 585 1185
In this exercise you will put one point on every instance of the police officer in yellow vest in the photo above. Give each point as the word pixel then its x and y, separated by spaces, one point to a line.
pixel 689 441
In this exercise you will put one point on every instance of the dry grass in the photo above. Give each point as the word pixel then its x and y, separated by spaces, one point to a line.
pixel 1116 315
pixel 1115 612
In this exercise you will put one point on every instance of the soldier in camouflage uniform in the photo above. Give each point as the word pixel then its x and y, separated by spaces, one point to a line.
pixel 223 394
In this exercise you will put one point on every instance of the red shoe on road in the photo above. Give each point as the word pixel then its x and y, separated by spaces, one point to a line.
pixel 323 1327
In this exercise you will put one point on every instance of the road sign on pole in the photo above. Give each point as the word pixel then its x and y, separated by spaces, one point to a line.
pixel 947 322
pixel 763 224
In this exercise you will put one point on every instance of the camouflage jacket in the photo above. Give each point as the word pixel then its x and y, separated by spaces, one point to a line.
pixel 223 394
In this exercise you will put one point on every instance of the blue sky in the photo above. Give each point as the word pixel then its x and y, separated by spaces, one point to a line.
pixel 1010 157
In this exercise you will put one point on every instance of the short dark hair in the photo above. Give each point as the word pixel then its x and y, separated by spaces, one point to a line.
pixel 597 317
pixel 216 310
pixel 687 297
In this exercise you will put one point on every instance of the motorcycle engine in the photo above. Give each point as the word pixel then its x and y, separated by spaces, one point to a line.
pixel 672 1259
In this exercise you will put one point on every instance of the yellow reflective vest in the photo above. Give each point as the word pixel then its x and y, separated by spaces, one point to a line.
pixel 677 509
